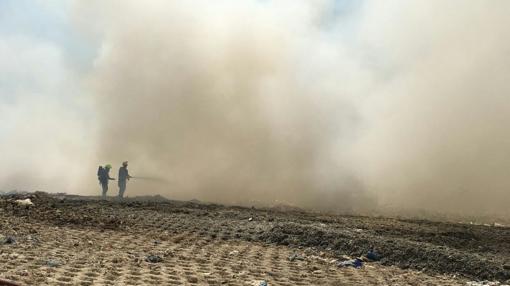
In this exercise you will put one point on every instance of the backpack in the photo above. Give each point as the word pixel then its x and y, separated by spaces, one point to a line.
pixel 100 172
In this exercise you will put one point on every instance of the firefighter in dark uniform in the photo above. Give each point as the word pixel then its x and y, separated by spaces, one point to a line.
pixel 123 178
pixel 103 175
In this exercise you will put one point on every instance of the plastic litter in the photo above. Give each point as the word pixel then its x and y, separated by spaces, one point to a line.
pixel 53 263
pixel 484 283
pixel 356 263
pixel 295 256
pixel 9 240
pixel 153 259
pixel 25 202
pixel 373 256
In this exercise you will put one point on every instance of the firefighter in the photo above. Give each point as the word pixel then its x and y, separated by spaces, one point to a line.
pixel 103 175
pixel 123 178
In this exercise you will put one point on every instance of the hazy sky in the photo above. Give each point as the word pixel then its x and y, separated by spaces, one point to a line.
pixel 44 112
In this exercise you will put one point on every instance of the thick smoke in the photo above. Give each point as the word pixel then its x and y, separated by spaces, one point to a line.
pixel 437 120
pixel 358 106
pixel 228 101
pixel 46 141
pixel 394 104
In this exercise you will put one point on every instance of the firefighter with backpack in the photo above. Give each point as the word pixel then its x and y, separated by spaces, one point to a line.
pixel 103 175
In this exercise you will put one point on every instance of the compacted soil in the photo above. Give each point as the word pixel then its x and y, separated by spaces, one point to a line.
pixel 72 240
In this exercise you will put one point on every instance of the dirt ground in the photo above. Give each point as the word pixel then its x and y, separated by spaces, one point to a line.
pixel 69 240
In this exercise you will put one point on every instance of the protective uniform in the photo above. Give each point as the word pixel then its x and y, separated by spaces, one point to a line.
pixel 103 174
pixel 123 177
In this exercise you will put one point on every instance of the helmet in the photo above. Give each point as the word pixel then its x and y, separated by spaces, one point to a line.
pixel 108 166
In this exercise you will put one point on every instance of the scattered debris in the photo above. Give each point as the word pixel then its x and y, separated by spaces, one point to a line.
pixel 8 240
pixel 356 263
pixel 373 256
pixel 53 263
pixel 345 257
pixel 25 202
pixel 263 283
pixel 296 256
pixel 482 256
pixel 154 259
pixel 484 283
pixel 233 252
pixel 250 219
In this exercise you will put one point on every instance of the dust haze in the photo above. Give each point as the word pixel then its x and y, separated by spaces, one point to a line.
pixel 377 105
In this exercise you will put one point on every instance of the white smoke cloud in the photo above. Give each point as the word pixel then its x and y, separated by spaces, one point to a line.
pixel 397 102
pixel 220 99
pixel 44 140
pixel 437 119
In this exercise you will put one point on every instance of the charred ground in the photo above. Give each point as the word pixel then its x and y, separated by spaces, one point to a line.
pixel 473 251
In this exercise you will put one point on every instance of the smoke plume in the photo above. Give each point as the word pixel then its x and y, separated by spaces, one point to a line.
pixel 400 103
pixel 333 105
pixel 436 121
pixel 222 101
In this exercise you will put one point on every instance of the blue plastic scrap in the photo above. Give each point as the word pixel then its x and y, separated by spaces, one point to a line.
pixel 374 256
pixel 356 263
